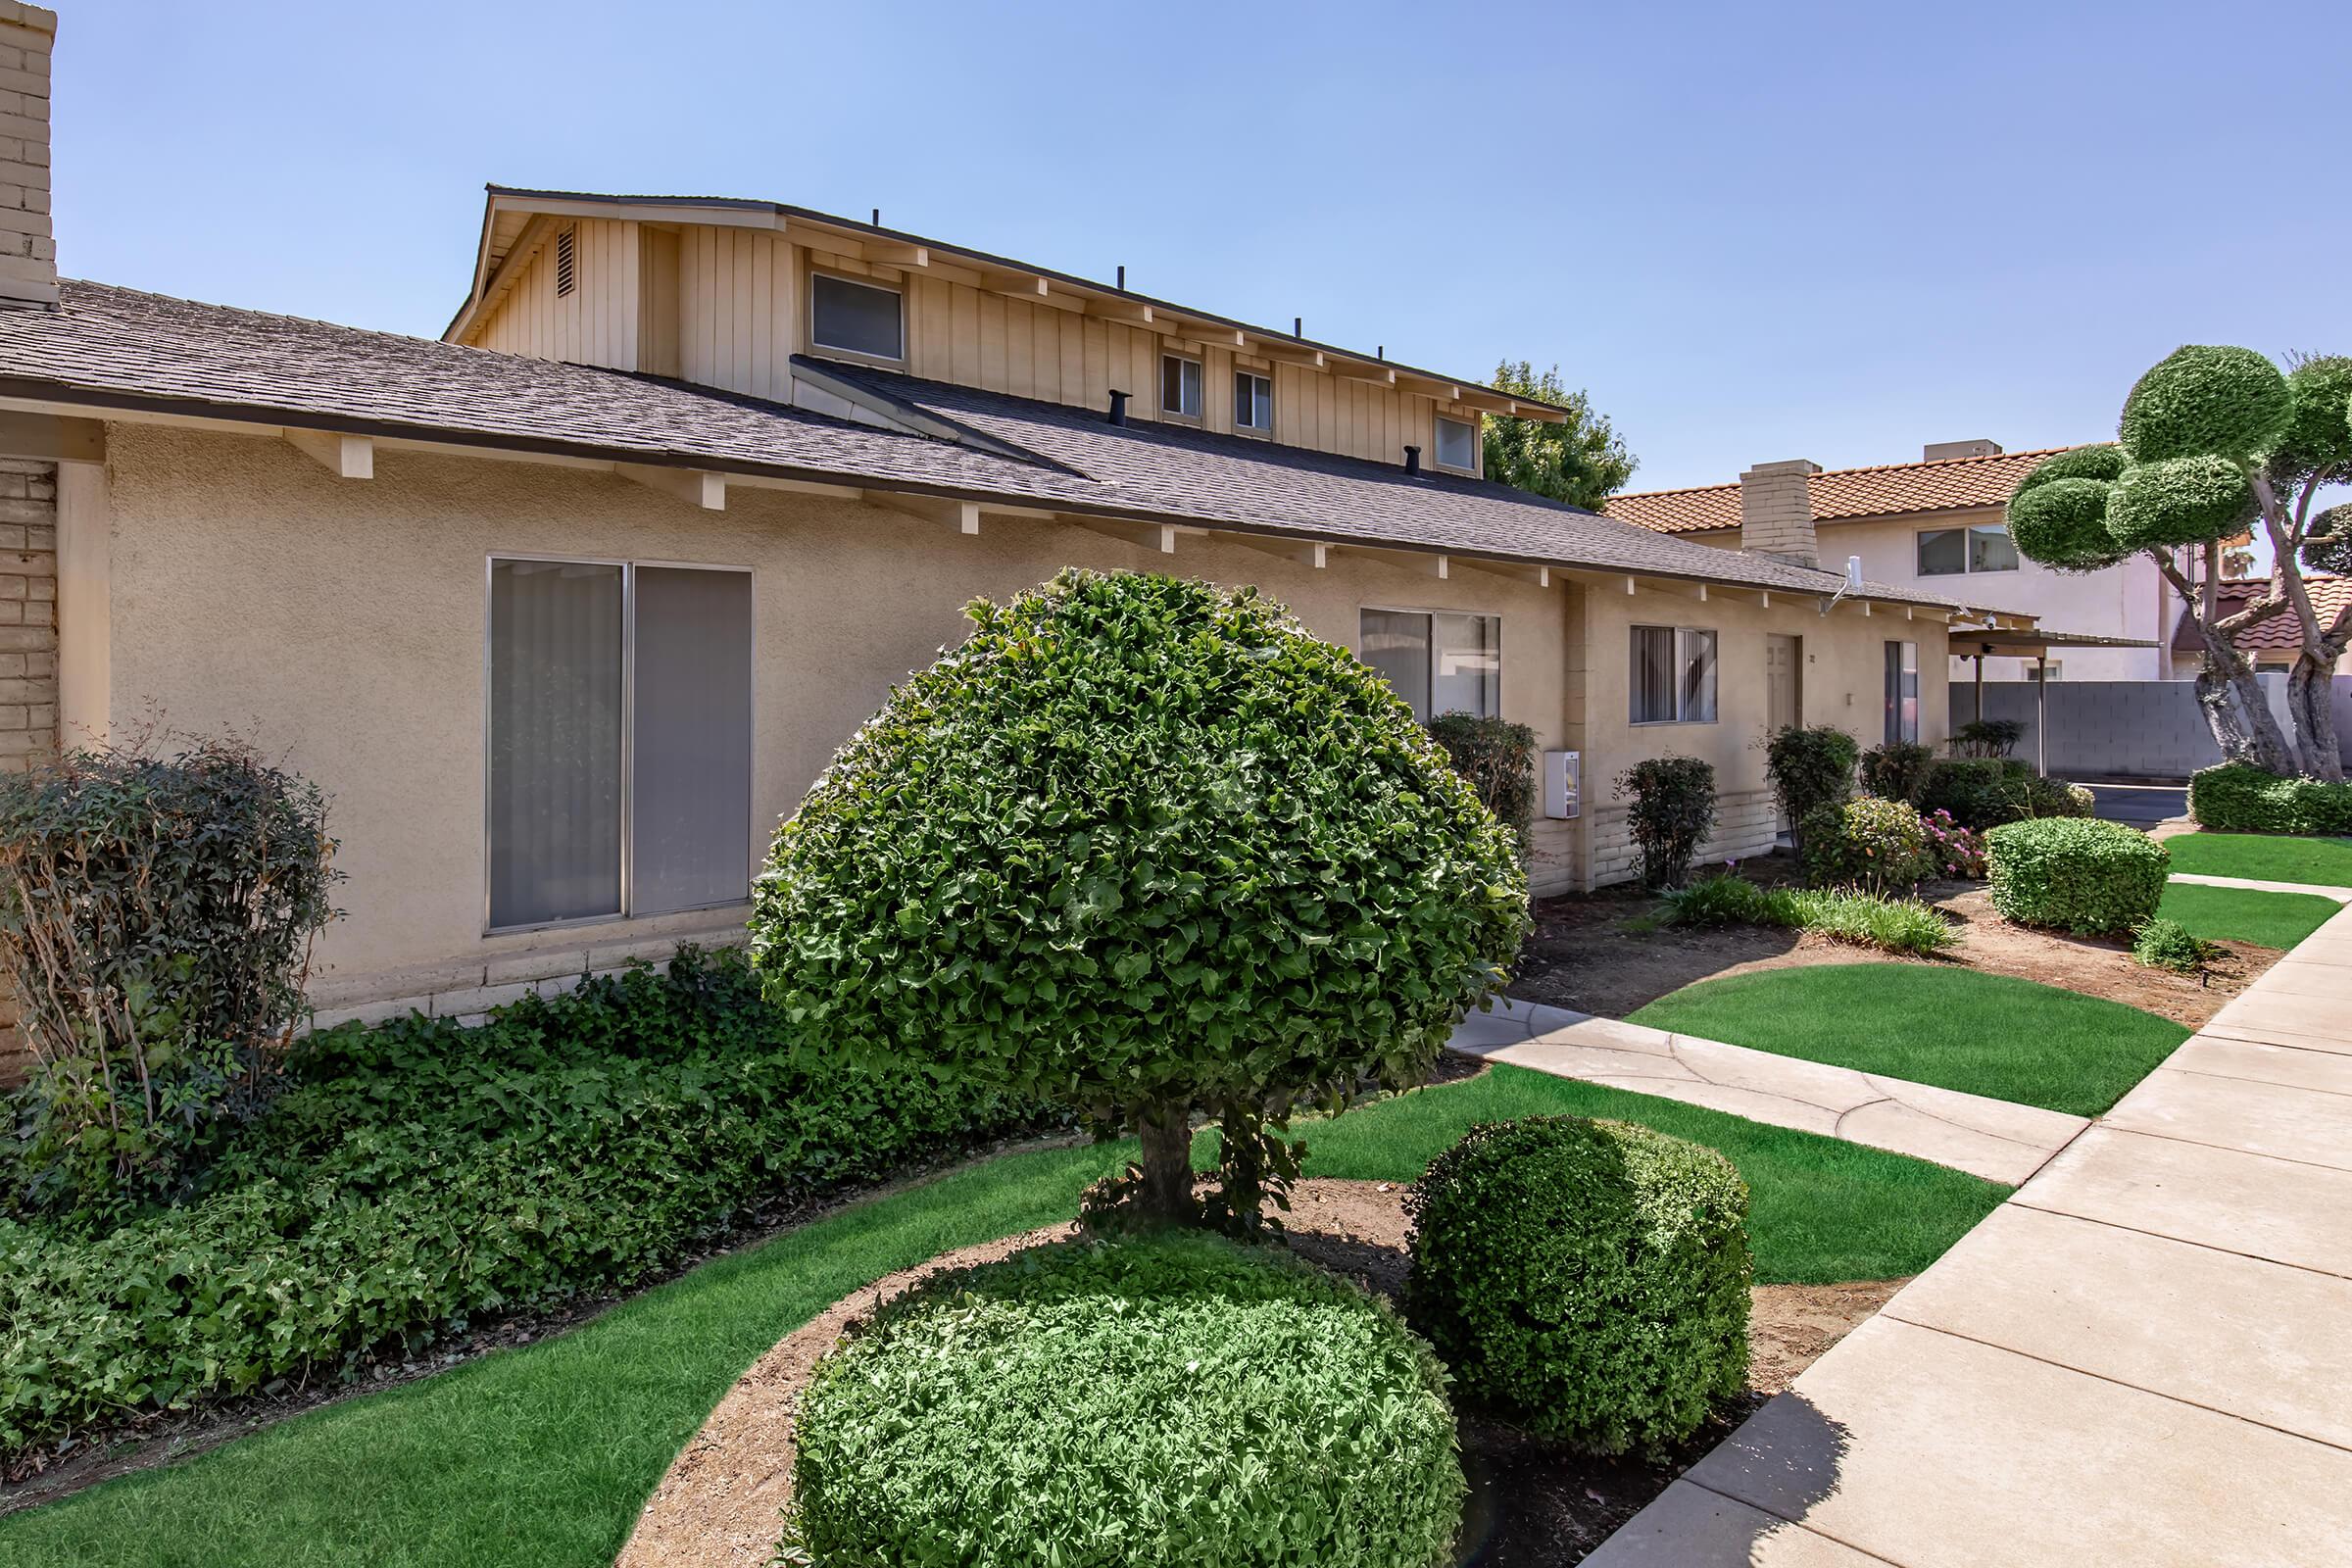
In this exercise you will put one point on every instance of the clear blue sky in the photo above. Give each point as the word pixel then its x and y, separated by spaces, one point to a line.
pixel 1750 231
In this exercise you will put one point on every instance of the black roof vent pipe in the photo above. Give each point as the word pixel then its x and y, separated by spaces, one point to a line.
pixel 1412 463
pixel 1119 407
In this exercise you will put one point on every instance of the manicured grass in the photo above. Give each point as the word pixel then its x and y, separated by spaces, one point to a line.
pixel 543 1455
pixel 1821 1210
pixel 2239 914
pixel 1986 1034
pixel 2264 858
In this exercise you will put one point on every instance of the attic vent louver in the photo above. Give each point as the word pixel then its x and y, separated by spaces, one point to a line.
pixel 567 262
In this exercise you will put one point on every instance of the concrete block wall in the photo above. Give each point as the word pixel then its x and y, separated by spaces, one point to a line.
pixel 1746 823
pixel 2124 728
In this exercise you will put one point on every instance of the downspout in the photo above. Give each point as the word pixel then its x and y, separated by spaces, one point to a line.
pixel 2041 713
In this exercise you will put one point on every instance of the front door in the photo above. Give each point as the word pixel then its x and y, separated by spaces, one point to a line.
pixel 1784 686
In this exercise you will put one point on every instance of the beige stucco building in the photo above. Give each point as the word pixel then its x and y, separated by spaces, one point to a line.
pixel 568 609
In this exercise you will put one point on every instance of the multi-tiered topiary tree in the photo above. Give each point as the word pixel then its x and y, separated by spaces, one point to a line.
pixel 2214 443
pixel 1145 848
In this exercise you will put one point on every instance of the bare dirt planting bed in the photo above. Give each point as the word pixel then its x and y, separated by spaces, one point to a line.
pixel 1531 1501
pixel 1595 953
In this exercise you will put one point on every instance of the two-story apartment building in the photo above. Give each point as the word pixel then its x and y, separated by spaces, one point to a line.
pixel 565 610
pixel 1940 524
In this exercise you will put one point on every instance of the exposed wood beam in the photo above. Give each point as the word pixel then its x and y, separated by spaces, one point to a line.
pixel 695 486
pixel 1377 375
pixel 346 457
pixel 1306 551
pixel 1519 572
pixel 1159 536
pixel 962 516
pixel 797 487
pixel 52 437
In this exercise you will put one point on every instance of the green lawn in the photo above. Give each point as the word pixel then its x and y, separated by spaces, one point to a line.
pixel 2239 914
pixel 2264 858
pixel 1987 1034
pixel 542 1456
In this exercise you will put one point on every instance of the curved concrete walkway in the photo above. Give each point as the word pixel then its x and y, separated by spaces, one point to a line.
pixel 2256 885
pixel 1994 1139
pixel 2143 1356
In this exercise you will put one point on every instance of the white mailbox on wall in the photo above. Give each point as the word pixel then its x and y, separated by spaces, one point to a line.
pixel 1562 784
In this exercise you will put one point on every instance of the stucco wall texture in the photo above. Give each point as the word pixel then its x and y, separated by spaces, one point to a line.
pixel 341 622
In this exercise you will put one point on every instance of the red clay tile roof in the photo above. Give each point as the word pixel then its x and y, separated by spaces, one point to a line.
pixel 2328 596
pixel 1887 490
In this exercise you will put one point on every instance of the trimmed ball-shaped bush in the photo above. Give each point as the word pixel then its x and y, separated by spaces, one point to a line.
pixel 1587 1279
pixel 2075 875
pixel 1141 845
pixel 2105 462
pixel 2329 545
pixel 2203 400
pixel 2179 501
pixel 2319 435
pixel 1172 1401
pixel 2064 524
pixel 1871 843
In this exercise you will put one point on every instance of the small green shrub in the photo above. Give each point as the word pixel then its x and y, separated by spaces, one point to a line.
pixel 419 1172
pixel 1987 737
pixel 1498 759
pixel 1673 807
pixel 1724 899
pixel 2163 944
pixel 2075 875
pixel 1952 850
pixel 156 920
pixel 1867 842
pixel 1810 769
pixel 1898 771
pixel 1868 920
pixel 2235 798
pixel 1587 1278
pixel 1151 1402
pixel 1978 792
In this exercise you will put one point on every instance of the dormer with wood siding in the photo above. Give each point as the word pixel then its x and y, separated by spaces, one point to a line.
pixel 719 293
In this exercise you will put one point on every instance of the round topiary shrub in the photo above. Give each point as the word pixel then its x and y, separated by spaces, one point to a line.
pixel 1141 847
pixel 1869 843
pixel 2104 462
pixel 2319 435
pixel 2064 524
pixel 1172 1401
pixel 2206 401
pixel 2075 875
pixel 1587 1279
pixel 2181 501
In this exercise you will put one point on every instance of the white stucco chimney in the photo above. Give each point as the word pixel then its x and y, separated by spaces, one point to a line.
pixel 27 246
pixel 1776 511
pixel 1941 451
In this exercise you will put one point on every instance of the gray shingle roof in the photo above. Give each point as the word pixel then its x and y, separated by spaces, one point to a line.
pixel 118 348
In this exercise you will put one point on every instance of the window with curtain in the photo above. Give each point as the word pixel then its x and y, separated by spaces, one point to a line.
pixel 1672 675
pixel 619 740
pixel 1902 692
pixel 1440 661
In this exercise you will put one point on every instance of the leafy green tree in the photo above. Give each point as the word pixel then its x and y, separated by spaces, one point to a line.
pixel 1145 848
pixel 2214 443
pixel 1581 460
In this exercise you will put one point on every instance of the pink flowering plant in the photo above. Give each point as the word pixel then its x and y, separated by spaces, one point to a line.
pixel 1952 850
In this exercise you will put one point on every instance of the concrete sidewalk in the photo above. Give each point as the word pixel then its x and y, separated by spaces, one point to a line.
pixel 1994 1139
pixel 2256 885
pixel 2144 1356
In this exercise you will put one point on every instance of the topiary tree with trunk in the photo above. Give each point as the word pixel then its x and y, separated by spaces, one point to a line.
pixel 2212 444
pixel 1145 848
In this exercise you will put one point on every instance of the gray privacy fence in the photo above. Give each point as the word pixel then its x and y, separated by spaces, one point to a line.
pixel 2126 728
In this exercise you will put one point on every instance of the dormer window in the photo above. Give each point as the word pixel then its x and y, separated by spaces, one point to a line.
pixel 847 315
pixel 1179 388
pixel 1457 445
pixel 1252 402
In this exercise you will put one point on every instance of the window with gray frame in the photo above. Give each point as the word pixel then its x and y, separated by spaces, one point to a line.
pixel 619 745
pixel 1180 386
pixel 1952 552
pixel 1440 661
pixel 1672 675
pixel 1252 402
pixel 1902 692
pixel 854 317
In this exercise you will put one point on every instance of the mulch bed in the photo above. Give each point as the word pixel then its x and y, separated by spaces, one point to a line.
pixel 1530 1501
pixel 1595 953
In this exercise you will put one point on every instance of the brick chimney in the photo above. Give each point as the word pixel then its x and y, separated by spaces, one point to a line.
pixel 28 248
pixel 1943 450
pixel 1776 511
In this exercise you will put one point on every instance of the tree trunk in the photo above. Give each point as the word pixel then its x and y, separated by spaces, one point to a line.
pixel 1167 1164
pixel 2264 742
pixel 2311 700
